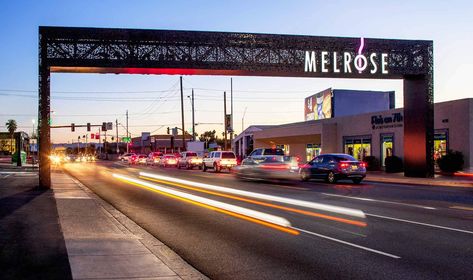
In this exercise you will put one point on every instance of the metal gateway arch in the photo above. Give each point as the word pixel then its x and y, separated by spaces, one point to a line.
pixel 136 51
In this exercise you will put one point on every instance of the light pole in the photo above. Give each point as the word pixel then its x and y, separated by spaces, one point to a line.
pixel 193 115
pixel 243 120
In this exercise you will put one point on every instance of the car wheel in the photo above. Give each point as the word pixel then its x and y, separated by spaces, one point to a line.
pixel 216 168
pixel 357 180
pixel 331 178
pixel 188 166
pixel 178 166
pixel 305 175
pixel 204 167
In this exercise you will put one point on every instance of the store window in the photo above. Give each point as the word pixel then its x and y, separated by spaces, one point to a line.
pixel 440 143
pixel 312 150
pixel 284 147
pixel 357 146
pixel 387 146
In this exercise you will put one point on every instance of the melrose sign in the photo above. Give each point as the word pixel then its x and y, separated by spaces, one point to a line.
pixel 346 62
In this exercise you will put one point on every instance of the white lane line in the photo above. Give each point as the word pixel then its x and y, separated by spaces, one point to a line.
pixel 348 243
pixel 302 203
pixel 382 201
pixel 419 223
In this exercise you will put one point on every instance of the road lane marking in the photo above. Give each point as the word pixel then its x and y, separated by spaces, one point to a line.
pixel 348 243
pixel 289 209
pixel 462 208
pixel 261 218
pixel 382 201
pixel 301 203
pixel 419 223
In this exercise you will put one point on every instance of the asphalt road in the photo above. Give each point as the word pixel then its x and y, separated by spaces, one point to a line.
pixel 408 232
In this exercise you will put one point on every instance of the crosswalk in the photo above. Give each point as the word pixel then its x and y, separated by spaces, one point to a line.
pixel 6 174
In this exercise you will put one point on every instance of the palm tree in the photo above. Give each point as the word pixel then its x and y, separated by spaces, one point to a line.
pixel 11 126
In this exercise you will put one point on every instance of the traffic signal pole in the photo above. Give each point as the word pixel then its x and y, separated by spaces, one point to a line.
pixel 116 124
pixel 127 135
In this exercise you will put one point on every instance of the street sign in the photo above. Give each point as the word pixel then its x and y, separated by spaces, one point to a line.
pixel 126 139
pixel 152 139
pixel 228 123
pixel 109 126
pixel 174 131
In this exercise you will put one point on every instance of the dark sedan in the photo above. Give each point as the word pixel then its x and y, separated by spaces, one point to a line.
pixel 334 167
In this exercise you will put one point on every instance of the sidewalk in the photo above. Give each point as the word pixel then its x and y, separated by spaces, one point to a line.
pixel 438 180
pixel 31 242
pixel 103 243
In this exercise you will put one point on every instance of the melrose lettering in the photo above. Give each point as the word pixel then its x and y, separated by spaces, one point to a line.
pixel 346 63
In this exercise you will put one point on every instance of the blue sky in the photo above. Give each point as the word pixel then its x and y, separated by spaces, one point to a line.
pixel 268 100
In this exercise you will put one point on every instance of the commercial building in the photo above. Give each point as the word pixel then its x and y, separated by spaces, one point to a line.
pixel 378 134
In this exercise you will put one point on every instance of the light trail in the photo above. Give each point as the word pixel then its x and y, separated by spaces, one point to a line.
pixel 261 218
pixel 289 209
pixel 301 203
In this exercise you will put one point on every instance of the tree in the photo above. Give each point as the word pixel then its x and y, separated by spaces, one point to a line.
pixel 11 127
pixel 210 137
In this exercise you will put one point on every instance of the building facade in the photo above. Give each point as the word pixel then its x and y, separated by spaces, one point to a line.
pixel 378 134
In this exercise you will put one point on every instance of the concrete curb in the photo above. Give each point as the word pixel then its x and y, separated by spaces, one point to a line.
pixel 427 184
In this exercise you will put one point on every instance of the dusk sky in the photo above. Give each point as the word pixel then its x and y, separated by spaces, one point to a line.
pixel 153 102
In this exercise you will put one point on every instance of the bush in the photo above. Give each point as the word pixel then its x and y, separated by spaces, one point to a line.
pixel 393 164
pixel 451 162
pixel 372 163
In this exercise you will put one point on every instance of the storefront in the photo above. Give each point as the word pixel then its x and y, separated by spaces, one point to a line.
pixel 377 134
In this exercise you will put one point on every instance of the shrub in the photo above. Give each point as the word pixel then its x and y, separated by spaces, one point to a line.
pixel 372 163
pixel 451 162
pixel 393 164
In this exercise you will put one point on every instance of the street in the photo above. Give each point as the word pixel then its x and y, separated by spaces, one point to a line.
pixel 403 232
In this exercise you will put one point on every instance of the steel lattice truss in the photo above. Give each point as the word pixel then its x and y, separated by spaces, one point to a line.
pixel 256 54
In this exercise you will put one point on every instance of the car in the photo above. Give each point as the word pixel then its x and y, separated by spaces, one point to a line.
pixel 125 157
pixel 154 158
pixel 141 159
pixel 334 167
pixel 219 160
pixel 168 160
pixel 189 160
pixel 267 152
pixel 268 168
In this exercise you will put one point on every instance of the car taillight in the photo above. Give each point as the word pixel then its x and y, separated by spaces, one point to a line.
pixel 363 164
pixel 344 164
pixel 279 166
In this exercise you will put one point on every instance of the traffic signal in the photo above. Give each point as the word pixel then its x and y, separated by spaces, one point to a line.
pixel 112 138
pixel 92 136
pixel 88 126
pixel 73 127
pixel 168 129
pixel 104 126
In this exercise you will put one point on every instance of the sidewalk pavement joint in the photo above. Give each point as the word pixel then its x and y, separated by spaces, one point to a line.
pixel 104 243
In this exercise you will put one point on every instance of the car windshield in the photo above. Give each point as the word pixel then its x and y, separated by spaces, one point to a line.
pixel 228 155
pixel 191 154
pixel 274 152
pixel 169 156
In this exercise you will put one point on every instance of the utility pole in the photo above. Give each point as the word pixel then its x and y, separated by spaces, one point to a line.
pixel 116 125
pixel 182 115
pixel 100 143
pixel 193 117
pixel 127 144
pixel 225 119
pixel 231 111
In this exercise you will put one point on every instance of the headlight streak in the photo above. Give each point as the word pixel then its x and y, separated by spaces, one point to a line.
pixel 301 203
pixel 261 218
pixel 289 209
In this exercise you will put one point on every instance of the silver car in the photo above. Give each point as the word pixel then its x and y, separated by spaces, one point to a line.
pixel 268 168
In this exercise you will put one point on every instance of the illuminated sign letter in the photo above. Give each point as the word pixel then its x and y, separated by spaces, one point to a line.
pixel 324 62
pixel 310 62
pixel 373 62
pixel 335 67
pixel 384 63
pixel 346 62
pixel 360 63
